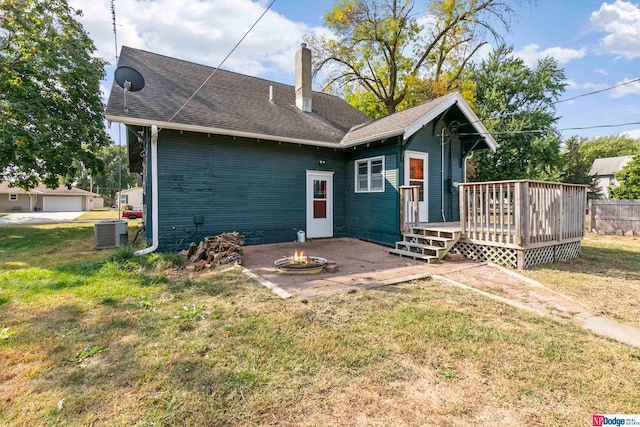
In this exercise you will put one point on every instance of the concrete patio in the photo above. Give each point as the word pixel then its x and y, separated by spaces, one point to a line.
pixel 367 265
pixel 360 265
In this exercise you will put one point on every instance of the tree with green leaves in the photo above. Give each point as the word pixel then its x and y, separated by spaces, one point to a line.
pixel 387 55
pixel 576 167
pixel 115 176
pixel 516 104
pixel 629 178
pixel 50 107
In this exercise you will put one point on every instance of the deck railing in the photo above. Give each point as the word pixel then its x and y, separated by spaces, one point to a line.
pixel 409 198
pixel 522 214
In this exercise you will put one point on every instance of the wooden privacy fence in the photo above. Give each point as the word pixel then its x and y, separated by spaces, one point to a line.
pixel 610 216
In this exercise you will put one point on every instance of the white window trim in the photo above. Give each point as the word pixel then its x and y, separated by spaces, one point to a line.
pixel 13 197
pixel 368 160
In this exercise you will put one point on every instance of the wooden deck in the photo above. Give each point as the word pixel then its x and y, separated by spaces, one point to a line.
pixel 517 223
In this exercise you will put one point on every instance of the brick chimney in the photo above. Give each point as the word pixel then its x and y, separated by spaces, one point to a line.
pixel 303 78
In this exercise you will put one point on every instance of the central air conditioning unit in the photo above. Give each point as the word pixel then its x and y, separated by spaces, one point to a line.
pixel 111 233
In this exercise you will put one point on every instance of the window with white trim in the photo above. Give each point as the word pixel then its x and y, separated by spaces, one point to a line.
pixel 370 175
pixel 13 197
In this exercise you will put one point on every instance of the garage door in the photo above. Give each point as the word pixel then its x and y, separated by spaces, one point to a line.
pixel 62 203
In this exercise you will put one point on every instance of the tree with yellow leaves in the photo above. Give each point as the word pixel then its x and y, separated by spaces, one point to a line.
pixel 388 55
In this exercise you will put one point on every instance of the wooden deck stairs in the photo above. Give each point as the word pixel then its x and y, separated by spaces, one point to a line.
pixel 428 243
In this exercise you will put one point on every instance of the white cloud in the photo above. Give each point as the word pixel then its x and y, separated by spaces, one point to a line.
pixel 632 133
pixel 601 71
pixel 571 84
pixel 621 20
pixel 628 89
pixel 530 54
pixel 594 86
pixel 198 31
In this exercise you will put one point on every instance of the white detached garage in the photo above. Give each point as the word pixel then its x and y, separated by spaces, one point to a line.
pixel 63 199
pixel 63 203
pixel 41 198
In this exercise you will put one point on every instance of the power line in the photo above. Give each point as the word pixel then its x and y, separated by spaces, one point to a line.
pixel 513 132
pixel 218 67
pixel 598 91
pixel 560 101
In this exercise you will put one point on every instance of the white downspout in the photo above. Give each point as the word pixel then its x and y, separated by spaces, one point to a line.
pixel 154 193
pixel 442 175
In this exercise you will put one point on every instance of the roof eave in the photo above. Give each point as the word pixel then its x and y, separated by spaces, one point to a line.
pixel 454 99
pixel 372 138
pixel 219 131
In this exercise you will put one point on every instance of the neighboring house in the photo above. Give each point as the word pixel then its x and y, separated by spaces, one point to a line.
pixel 132 197
pixel 268 159
pixel 605 170
pixel 41 198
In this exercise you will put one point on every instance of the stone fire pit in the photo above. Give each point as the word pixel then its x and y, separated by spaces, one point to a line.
pixel 300 264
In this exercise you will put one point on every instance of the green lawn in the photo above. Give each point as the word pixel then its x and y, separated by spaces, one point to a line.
pixel 106 338
pixel 98 214
pixel 606 279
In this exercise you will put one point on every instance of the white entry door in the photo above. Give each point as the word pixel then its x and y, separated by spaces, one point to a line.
pixel 415 173
pixel 319 204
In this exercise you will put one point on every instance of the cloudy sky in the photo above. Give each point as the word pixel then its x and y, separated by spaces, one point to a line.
pixel 598 44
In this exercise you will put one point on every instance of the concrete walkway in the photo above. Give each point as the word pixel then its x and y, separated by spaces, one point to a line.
pixel 39 217
pixel 512 288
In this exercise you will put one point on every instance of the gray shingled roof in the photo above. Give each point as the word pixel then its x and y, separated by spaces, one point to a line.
pixel 42 189
pixel 395 124
pixel 609 165
pixel 411 120
pixel 228 102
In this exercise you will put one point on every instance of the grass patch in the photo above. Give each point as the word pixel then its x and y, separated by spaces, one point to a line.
pixel 605 279
pixel 109 338
pixel 98 214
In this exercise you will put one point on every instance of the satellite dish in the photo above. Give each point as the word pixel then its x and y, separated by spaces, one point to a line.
pixel 133 77
pixel 130 80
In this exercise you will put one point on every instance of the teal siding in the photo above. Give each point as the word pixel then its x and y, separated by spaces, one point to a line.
pixel 209 184
pixel 373 216
pixel 428 141
pixel 213 184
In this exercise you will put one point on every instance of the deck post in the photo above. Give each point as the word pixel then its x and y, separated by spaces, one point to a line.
pixel 520 260
pixel 409 214
pixel 559 209
pixel 416 205
pixel 517 211
pixel 463 209
pixel 525 205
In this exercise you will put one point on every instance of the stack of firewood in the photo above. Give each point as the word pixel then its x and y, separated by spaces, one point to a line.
pixel 216 250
